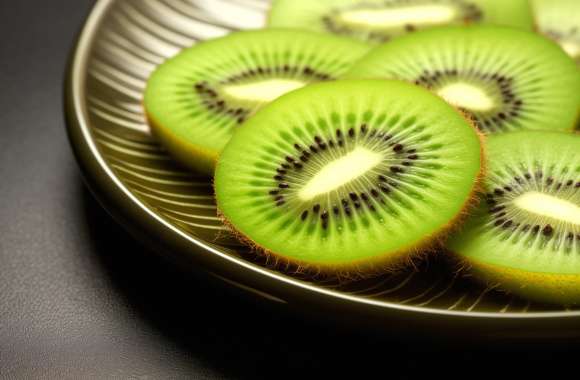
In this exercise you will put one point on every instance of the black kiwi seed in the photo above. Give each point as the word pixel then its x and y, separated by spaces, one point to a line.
pixel 548 230
pixel 304 215
pixel 316 208
pixel 384 188
pixel 497 209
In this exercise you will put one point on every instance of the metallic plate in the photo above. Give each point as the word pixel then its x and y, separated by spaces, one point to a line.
pixel 168 207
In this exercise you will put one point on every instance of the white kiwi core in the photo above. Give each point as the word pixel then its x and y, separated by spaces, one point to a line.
pixel 570 47
pixel 339 172
pixel 549 206
pixel 262 91
pixel 400 16
pixel 466 96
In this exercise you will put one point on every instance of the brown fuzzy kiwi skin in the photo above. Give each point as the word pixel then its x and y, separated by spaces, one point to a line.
pixel 392 262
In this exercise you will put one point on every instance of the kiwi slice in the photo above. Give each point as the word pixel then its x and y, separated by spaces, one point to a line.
pixel 349 175
pixel 560 21
pixel 195 100
pixel 378 21
pixel 503 78
pixel 526 235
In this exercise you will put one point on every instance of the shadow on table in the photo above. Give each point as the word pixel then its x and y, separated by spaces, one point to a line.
pixel 241 339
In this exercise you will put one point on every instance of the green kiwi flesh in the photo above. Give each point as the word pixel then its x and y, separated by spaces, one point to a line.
pixel 349 175
pixel 378 21
pixel 503 78
pixel 195 100
pixel 525 236
pixel 560 21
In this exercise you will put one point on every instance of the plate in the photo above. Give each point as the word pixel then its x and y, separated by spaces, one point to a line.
pixel 173 210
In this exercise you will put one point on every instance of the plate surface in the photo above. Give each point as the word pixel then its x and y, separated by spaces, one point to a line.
pixel 174 210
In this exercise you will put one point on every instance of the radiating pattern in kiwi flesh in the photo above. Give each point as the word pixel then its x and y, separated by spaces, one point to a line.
pixel 196 99
pixel 378 21
pixel 505 79
pixel 529 220
pixel 560 21
pixel 350 171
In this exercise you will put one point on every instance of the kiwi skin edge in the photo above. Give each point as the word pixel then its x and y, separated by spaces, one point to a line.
pixel 180 149
pixel 365 268
pixel 562 289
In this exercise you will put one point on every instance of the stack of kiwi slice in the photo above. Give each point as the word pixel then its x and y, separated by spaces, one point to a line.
pixel 366 134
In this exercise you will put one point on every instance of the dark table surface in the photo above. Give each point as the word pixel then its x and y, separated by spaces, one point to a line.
pixel 80 299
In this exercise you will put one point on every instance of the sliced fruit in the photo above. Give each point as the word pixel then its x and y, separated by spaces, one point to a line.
pixel 526 235
pixel 349 175
pixel 195 100
pixel 504 79
pixel 378 21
